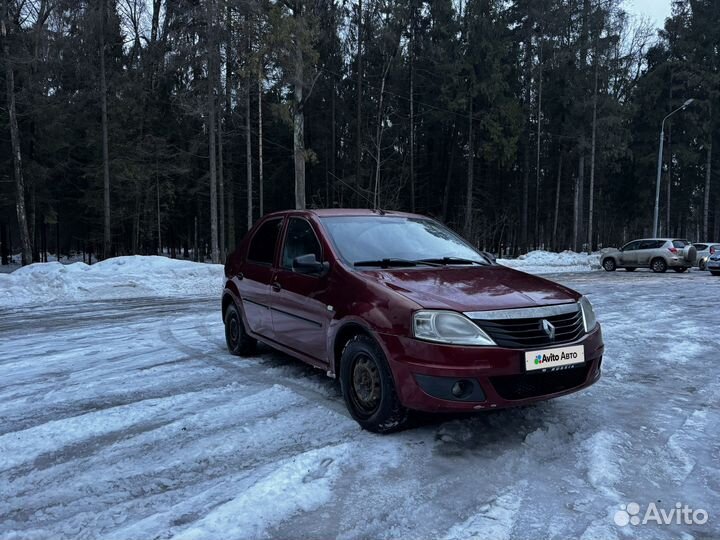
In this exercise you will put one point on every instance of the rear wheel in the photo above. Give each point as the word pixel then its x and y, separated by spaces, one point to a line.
pixel 237 339
pixel 368 387
pixel 702 265
pixel 630 269
pixel 658 265
pixel 680 269
pixel 609 264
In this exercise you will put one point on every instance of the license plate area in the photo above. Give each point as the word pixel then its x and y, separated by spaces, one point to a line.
pixel 555 359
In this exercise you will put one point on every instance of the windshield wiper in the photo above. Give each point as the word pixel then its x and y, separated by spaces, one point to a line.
pixel 452 260
pixel 389 262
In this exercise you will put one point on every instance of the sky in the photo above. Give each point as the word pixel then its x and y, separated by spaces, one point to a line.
pixel 656 10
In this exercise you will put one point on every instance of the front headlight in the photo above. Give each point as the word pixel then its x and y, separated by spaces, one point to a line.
pixel 448 327
pixel 588 314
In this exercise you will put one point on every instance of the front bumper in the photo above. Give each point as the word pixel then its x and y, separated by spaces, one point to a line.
pixel 423 371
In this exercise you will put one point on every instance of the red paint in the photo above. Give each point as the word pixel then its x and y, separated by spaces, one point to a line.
pixel 290 312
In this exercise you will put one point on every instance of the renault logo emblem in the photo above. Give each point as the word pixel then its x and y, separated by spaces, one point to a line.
pixel 549 329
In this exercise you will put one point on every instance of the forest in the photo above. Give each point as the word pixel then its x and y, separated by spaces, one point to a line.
pixel 170 126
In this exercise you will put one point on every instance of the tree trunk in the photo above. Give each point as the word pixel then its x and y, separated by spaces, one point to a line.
pixel 261 187
pixel 577 208
pixel 230 185
pixel 107 239
pixel 221 184
pixel 358 99
pixel 557 201
pixel 591 195
pixel 378 137
pixel 708 176
pixel 25 246
pixel 467 228
pixel 448 178
pixel 248 158
pixel 526 150
pixel 412 109
pixel 537 160
pixel 211 61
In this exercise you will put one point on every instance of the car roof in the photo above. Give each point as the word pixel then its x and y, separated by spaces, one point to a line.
pixel 337 212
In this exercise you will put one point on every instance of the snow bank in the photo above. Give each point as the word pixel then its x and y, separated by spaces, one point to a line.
pixel 545 262
pixel 119 277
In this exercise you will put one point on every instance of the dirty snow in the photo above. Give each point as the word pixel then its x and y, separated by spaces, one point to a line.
pixel 119 277
pixel 545 262
pixel 128 419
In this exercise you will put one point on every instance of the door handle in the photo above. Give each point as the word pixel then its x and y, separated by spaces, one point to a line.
pixel 276 287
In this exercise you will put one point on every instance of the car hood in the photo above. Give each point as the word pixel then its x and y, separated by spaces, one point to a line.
pixel 473 288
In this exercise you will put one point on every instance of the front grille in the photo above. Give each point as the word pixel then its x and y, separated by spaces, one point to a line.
pixel 529 332
pixel 529 385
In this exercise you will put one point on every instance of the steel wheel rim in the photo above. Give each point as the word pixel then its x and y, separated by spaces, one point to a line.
pixel 365 385
pixel 234 330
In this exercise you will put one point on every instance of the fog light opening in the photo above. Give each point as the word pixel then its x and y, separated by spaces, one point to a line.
pixel 462 389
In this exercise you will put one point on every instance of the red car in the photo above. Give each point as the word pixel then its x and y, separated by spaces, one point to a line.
pixel 407 315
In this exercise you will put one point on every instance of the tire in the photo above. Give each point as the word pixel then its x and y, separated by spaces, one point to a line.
pixel 368 387
pixel 630 269
pixel 680 269
pixel 237 339
pixel 702 265
pixel 609 264
pixel 658 265
pixel 715 273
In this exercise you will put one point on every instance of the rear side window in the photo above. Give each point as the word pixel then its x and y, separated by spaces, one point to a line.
pixel 680 243
pixel 263 244
pixel 299 240
pixel 651 244
pixel 701 247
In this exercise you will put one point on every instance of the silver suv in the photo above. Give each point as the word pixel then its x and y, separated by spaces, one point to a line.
pixel 658 254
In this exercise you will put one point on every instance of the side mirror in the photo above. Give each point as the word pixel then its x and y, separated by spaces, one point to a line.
pixel 308 264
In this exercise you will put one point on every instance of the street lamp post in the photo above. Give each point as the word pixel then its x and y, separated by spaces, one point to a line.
pixel 659 165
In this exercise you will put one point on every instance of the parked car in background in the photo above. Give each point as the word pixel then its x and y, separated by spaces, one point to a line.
pixel 406 314
pixel 658 254
pixel 713 263
pixel 704 251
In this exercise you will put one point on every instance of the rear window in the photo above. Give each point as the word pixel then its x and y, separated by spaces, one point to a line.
pixel 262 246
pixel 680 243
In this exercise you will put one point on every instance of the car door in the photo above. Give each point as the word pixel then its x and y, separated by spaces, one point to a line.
pixel 646 250
pixel 257 273
pixel 628 254
pixel 300 314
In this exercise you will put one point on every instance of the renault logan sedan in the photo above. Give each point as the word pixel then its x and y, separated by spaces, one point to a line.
pixel 406 314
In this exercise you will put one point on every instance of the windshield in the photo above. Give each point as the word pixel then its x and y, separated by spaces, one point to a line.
pixel 368 239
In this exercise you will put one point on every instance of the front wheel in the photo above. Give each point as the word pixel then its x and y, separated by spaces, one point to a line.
pixel 237 339
pixel 658 265
pixel 368 387
pixel 609 265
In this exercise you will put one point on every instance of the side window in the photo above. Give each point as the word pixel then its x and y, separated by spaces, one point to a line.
pixel 680 243
pixel 299 240
pixel 631 246
pixel 647 244
pixel 262 245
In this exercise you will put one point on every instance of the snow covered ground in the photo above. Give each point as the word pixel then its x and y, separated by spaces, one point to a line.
pixel 545 262
pixel 128 419
pixel 119 277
